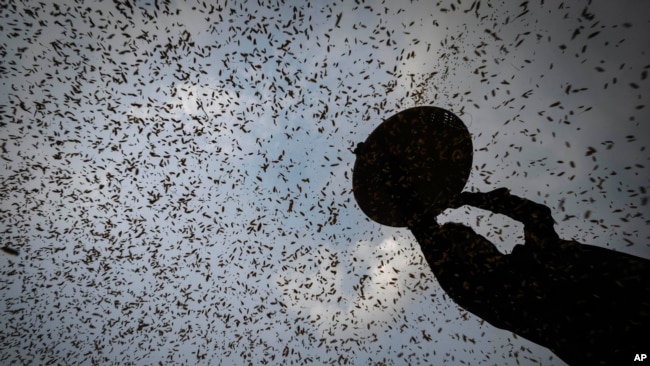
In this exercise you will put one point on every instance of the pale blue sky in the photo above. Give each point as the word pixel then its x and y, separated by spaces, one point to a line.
pixel 178 181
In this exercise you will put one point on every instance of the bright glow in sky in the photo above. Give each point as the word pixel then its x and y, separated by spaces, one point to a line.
pixel 177 175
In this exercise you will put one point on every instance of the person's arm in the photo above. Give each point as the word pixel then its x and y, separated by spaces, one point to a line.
pixel 537 219
pixel 501 289
pixel 466 265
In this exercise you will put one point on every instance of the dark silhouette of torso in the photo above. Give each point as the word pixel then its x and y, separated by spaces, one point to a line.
pixel 589 305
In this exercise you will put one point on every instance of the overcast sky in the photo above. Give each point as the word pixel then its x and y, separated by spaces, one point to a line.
pixel 177 176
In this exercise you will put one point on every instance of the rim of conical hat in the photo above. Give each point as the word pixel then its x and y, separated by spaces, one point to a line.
pixel 415 160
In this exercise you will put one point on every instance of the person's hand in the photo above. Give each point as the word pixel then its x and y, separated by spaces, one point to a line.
pixel 477 199
pixel 536 218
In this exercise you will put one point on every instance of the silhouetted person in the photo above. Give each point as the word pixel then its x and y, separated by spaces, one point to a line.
pixel 589 305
